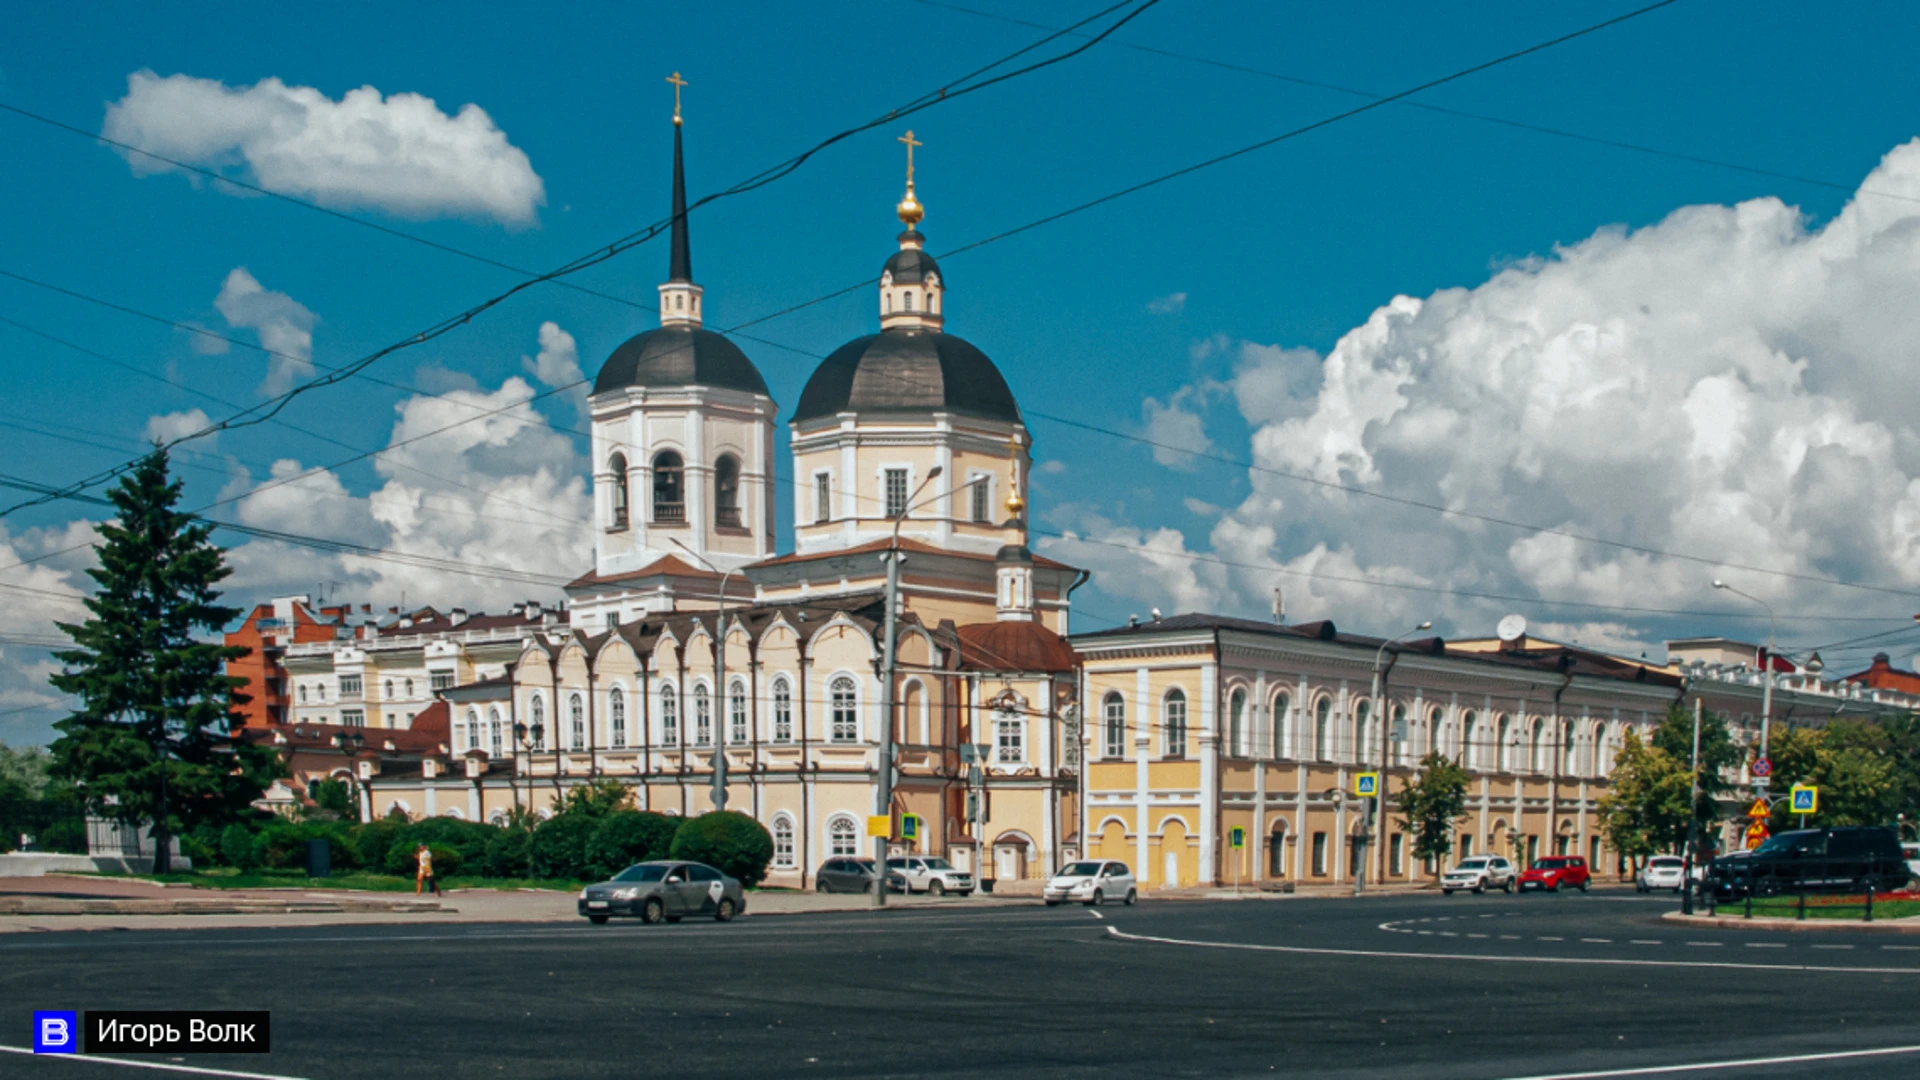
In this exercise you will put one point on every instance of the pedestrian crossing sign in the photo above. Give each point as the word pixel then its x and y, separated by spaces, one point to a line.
pixel 909 826
pixel 1806 799
pixel 1237 838
pixel 1366 785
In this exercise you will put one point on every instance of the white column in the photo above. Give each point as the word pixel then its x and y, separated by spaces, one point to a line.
pixel 697 481
pixel 473 802
pixel 1257 715
pixel 431 789
pixel 1298 834
pixel 849 481
pixel 1142 749
pixel 943 457
pixel 1210 735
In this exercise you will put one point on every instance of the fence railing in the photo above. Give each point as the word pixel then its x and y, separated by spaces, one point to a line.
pixel 1826 888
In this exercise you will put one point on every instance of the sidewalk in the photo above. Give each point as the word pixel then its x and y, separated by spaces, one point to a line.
pixel 83 903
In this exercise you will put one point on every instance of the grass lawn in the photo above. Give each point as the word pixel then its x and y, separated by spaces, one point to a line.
pixel 352 880
pixel 1829 907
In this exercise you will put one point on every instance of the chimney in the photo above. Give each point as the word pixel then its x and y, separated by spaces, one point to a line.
pixel 456 616
pixel 366 609
pixel 393 611
pixel 533 610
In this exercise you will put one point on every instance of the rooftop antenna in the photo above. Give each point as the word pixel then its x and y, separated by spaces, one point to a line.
pixel 1156 614
pixel 1279 604
pixel 1512 629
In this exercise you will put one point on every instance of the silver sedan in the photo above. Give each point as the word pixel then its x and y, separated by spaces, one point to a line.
pixel 667 890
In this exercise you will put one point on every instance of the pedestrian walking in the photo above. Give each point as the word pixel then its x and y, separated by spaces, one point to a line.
pixel 424 875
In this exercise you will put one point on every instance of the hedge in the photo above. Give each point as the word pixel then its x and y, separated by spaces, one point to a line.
pixel 625 837
pixel 559 846
pixel 728 840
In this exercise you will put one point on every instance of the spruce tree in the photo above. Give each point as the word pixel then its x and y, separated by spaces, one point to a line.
pixel 154 739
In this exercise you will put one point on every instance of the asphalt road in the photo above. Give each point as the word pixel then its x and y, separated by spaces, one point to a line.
pixel 1413 986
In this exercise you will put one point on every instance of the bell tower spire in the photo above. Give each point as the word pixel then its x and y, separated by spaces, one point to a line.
pixel 679 297
pixel 910 289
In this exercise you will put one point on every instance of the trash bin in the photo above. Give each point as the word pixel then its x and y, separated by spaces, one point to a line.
pixel 319 863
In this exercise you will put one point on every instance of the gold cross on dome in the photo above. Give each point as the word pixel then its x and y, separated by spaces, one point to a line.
pixel 677 82
pixel 911 143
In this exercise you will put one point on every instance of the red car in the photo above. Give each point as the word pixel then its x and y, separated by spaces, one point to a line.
pixel 1555 871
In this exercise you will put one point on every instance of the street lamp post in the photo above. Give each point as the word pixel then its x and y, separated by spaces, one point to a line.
pixel 1373 702
pixel 1693 820
pixel 720 683
pixel 1766 679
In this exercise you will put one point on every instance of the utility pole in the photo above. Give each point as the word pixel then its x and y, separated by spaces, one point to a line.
pixel 1693 820
pixel 1379 715
pixel 720 684
pixel 1766 681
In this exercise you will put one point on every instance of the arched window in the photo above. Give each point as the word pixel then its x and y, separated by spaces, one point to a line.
pixel 783 857
pixel 577 714
pixel 782 710
pixel 617 717
pixel 669 716
pixel 1603 750
pixel 389 689
pixel 669 489
pixel 618 467
pixel 1566 748
pixel 409 687
pixel 842 840
pixel 320 691
pixel 1282 705
pixel 907 298
pixel 1323 730
pixel 1009 738
pixel 467 736
pixel 494 732
pixel 1362 733
pixel 737 712
pixel 1173 722
pixel 1469 753
pixel 1406 736
pixel 844 710
pixel 1113 741
pixel 702 716
pixel 1506 745
pixel 538 713
pixel 1437 731
pixel 726 492
pixel 303 693
pixel 1237 723
pixel 1538 756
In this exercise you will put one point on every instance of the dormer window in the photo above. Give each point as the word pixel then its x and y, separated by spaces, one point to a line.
pixel 908 300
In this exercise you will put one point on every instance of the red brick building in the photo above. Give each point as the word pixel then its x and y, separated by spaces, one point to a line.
pixel 266 633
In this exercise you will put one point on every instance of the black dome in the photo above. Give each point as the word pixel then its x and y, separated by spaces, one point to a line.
pixel 911 266
pixel 907 370
pixel 680 356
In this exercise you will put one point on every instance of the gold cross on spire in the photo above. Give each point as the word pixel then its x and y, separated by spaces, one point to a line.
pixel 911 143
pixel 679 82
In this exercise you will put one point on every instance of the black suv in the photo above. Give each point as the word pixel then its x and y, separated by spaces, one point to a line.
pixel 1815 860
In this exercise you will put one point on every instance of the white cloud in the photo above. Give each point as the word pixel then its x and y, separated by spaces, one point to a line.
pixel 33 597
pixel 1727 382
pixel 1177 426
pixel 166 427
pixel 284 324
pixel 399 153
pixel 1170 304
pixel 558 365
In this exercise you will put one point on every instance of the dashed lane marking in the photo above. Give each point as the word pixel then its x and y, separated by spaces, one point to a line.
pixel 1642 941
pixel 1706 944
pixel 1765 945
pixel 1712 1066
pixel 1497 958
pixel 1550 939
pixel 1833 946
pixel 1901 948
pixel 1597 940
pixel 1477 935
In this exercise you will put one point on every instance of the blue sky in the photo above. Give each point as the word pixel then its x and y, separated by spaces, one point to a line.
pixel 1290 248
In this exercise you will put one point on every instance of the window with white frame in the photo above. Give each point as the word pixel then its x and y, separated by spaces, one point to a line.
pixel 577 718
pixel 1323 730
pixel 1538 761
pixel 1237 723
pixel 1173 723
pixel 495 733
pixel 1436 730
pixel 822 498
pixel 1506 747
pixel 353 717
pixel 783 855
pixel 782 710
pixel 669 715
pixel 981 495
pixel 1009 738
pixel 895 482
pixel 617 717
pixel 843 709
pixel 613 620
pixel 1282 704
pixel 1113 742
pixel 702 717
pixel 466 730
pixel 350 686
pixel 1566 748
pixel 737 713
pixel 1362 733
pixel 537 730
pixel 1469 752
pixel 1400 725
pixel 303 693
pixel 842 839
pixel 389 689
pixel 409 688
pixel 442 680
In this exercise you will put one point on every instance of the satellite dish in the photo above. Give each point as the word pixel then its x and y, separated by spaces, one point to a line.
pixel 1512 628
pixel 1156 614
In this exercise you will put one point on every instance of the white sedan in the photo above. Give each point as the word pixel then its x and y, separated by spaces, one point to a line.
pixel 1092 883
pixel 1661 872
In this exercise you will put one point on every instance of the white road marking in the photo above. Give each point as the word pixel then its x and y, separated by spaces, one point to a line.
pixel 1599 940
pixel 1509 937
pixel 1551 939
pixel 1833 946
pixel 1706 944
pixel 1902 948
pixel 1745 1063
pixel 1477 935
pixel 1765 945
pixel 1642 941
pixel 1103 918
pixel 1497 958
pixel 95 1059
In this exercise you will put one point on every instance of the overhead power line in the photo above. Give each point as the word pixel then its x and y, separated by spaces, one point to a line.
pixel 939 95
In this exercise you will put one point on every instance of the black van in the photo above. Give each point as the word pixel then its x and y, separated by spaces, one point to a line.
pixel 1844 860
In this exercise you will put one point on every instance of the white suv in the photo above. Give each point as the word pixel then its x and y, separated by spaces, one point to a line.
pixel 1091 882
pixel 1661 872
pixel 931 875
pixel 1479 873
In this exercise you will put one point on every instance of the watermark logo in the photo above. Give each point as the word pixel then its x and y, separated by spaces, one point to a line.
pixel 56 1032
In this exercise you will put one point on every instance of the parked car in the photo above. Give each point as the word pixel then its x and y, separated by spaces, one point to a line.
pixel 847 875
pixel 1091 882
pixel 1555 872
pixel 663 890
pixel 1912 853
pixel 1478 873
pixel 1662 872
pixel 931 874
pixel 1851 859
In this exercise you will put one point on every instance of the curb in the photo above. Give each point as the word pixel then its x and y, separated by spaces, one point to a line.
pixel 1894 926
pixel 63 906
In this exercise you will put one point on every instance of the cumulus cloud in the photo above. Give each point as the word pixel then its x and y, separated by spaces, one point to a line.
pixel 41 583
pixel 284 324
pixel 1730 382
pixel 1176 426
pixel 399 153
pixel 167 427
pixel 558 365
pixel 1170 304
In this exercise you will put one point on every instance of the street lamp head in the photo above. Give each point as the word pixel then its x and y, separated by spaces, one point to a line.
pixel 936 471
pixel 1428 625
pixel 520 732
pixel 1718 584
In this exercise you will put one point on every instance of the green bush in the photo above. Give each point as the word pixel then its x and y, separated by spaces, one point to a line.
pixel 405 861
pixel 67 835
pixel 282 845
pixel 236 847
pixel 728 840
pixel 625 837
pixel 559 846
pixel 507 854
pixel 373 840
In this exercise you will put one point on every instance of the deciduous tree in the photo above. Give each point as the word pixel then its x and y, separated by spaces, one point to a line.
pixel 1431 803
